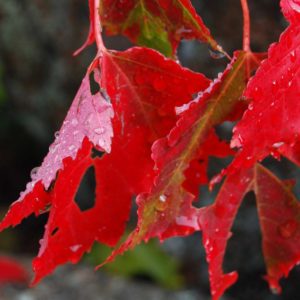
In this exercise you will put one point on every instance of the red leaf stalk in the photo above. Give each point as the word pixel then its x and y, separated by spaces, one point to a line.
pixel 98 27
pixel 246 31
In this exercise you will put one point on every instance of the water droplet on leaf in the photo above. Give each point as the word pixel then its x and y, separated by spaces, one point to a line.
pixel 74 122
pixel 99 130
pixel 34 172
pixel 278 144
pixel 216 54
pixel 163 198
pixel 293 56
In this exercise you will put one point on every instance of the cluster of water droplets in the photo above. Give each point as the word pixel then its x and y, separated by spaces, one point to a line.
pixel 89 116
pixel 200 95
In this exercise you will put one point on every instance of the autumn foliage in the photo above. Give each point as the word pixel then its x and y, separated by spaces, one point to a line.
pixel 156 138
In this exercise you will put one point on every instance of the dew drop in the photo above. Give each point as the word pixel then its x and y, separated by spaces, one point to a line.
pixel 163 198
pixel 274 86
pixel 99 130
pixel 293 56
pixel 162 204
pixel 53 148
pixel 278 144
pixel 288 229
pixel 29 186
pixel 250 106
pixel 71 148
pixel 275 290
pixel 101 143
pixel 34 172
pixel 256 90
pixel 74 248
pixel 74 122
pixel 216 54
pixel 56 134
pixel 241 140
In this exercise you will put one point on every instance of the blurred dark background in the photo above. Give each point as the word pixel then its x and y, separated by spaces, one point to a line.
pixel 38 80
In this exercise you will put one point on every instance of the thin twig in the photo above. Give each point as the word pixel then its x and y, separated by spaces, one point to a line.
pixel 98 27
pixel 246 32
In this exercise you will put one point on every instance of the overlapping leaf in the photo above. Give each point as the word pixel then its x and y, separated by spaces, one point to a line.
pixel 278 213
pixel 158 24
pixel 140 85
pixel 166 210
pixel 87 124
pixel 272 122
pixel 144 88
pixel 216 221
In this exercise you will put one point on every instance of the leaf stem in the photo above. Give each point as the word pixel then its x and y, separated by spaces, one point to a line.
pixel 246 32
pixel 98 28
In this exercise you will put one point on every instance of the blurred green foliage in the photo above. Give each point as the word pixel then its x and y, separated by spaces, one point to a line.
pixel 145 261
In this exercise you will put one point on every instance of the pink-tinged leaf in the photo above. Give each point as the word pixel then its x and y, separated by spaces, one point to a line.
pixel 279 216
pixel 69 232
pixel 216 221
pixel 89 116
pixel 272 124
pixel 11 271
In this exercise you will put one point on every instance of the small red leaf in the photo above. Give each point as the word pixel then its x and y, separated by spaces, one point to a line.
pixel 159 24
pixel 279 213
pixel 12 271
pixel 271 124
pixel 216 221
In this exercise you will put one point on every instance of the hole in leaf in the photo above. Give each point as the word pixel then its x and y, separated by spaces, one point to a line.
pixel 97 153
pixel 54 231
pixel 85 197
pixel 224 130
pixel 116 42
pixel 94 86
pixel 216 165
